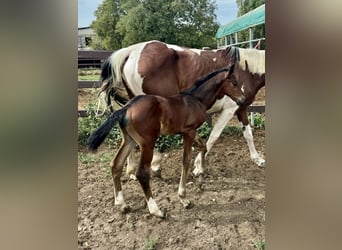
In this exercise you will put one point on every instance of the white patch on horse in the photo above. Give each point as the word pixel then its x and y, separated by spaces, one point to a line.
pixel 119 200
pixel 197 51
pixel 175 47
pixel 214 59
pixel 243 88
pixel 155 164
pixel 255 59
pixel 247 133
pixel 130 70
pixel 153 208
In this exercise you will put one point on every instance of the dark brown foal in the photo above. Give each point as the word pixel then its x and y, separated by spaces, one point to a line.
pixel 145 117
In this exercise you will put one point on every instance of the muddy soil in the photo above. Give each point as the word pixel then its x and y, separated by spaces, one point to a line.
pixel 228 210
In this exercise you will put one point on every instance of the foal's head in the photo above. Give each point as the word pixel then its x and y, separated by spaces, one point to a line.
pixel 230 87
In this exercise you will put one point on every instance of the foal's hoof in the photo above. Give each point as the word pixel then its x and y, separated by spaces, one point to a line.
pixel 186 203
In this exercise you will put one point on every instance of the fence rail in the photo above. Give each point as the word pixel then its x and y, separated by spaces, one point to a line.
pixel 95 58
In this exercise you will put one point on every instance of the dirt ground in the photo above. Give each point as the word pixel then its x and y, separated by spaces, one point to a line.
pixel 228 209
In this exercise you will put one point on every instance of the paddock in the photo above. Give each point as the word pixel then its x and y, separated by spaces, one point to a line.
pixel 228 211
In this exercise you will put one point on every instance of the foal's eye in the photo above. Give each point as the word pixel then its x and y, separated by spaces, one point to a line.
pixel 234 83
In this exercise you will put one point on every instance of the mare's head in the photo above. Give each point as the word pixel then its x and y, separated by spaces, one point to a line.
pixel 250 70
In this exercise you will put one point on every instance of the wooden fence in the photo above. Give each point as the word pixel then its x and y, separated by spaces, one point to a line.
pixel 95 58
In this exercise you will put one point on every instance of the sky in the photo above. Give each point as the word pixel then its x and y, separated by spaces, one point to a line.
pixel 226 11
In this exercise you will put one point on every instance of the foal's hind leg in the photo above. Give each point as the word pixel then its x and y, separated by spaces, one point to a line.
pixel 117 164
pixel 143 175
pixel 187 142
pixel 247 133
pixel 132 164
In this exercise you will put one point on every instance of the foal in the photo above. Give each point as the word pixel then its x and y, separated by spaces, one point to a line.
pixel 145 117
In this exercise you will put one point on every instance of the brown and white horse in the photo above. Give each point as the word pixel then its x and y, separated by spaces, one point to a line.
pixel 155 67
pixel 145 117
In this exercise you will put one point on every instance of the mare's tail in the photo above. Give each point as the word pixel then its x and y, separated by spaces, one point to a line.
pixel 111 77
pixel 95 140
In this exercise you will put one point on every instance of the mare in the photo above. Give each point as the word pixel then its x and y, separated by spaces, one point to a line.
pixel 158 68
pixel 145 117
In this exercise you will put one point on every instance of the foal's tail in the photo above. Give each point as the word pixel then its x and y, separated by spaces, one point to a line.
pixel 95 140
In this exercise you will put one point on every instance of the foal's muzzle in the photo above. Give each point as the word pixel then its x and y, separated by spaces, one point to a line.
pixel 240 101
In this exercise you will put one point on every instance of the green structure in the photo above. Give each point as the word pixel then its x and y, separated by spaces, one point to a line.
pixel 224 35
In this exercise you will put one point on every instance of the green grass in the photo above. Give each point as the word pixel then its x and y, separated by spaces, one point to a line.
pixel 259 245
pixel 150 244
pixel 89 74
pixel 89 78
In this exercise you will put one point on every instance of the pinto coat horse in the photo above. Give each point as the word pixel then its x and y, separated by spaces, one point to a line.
pixel 145 117
pixel 158 68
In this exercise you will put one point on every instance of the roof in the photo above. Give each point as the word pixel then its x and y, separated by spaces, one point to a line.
pixel 250 19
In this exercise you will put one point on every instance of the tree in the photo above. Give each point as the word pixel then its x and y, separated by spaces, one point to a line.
pixel 244 7
pixel 190 23
pixel 107 15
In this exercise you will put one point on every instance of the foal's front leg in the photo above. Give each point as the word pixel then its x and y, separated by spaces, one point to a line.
pixel 187 142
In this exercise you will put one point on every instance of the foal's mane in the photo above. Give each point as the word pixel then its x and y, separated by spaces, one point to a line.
pixel 202 80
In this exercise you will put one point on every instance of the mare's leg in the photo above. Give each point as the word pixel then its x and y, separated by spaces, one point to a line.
pixel 155 164
pixel 202 150
pixel 247 133
pixel 117 165
pixel 226 115
pixel 187 143
pixel 132 164
pixel 143 175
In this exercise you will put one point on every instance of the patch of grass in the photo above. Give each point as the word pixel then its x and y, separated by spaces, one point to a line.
pixel 150 244
pixel 259 120
pixel 89 74
pixel 89 78
pixel 232 130
pixel 259 245
pixel 87 125
pixel 86 158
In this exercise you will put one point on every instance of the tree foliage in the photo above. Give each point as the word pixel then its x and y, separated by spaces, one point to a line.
pixel 120 23
pixel 244 7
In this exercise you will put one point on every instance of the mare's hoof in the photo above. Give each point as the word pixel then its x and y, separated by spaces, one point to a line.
pixel 260 162
pixel 186 203
pixel 159 214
